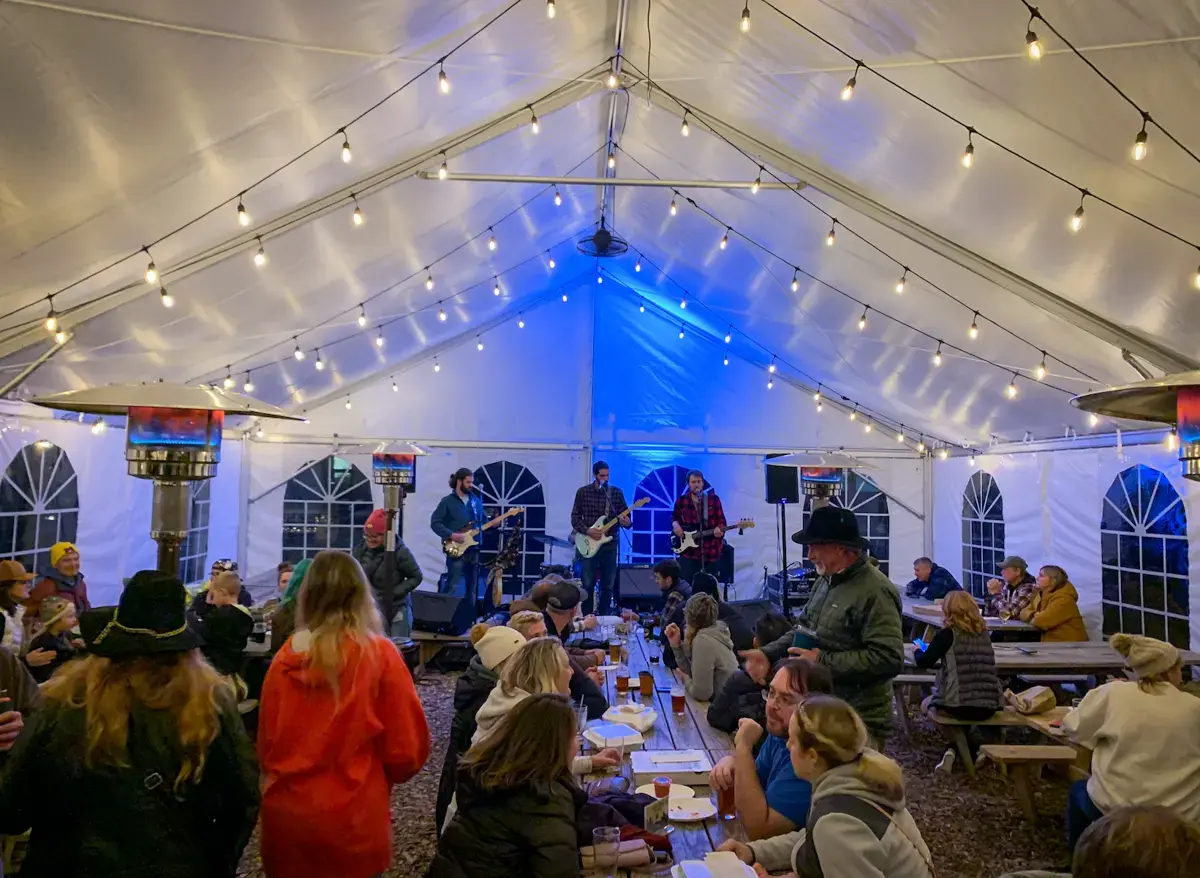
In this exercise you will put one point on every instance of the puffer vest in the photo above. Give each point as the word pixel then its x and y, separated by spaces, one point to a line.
pixel 967 677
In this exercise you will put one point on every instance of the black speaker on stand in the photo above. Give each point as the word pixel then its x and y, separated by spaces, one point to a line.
pixel 783 487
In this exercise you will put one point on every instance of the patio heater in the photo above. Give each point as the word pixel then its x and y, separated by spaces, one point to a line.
pixel 1171 399
pixel 394 468
pixel 172 437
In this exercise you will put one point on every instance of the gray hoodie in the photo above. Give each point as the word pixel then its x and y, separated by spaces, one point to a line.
pixel 710 663
pixel 847 836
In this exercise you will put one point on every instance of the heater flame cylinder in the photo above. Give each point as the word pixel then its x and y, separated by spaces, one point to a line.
pixel 821 482
pixel 173 445
pixel 1187 414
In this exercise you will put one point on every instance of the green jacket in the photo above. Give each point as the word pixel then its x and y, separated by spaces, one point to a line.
pixel 855 616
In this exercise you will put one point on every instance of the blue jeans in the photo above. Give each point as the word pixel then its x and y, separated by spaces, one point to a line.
pixel 1081 813
pixel 457 572
pixel 603 565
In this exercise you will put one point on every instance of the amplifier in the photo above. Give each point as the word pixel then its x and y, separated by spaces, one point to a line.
pixel 441 613
pixel 637 581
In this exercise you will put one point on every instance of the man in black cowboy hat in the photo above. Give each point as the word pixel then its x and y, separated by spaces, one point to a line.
pixel 851 623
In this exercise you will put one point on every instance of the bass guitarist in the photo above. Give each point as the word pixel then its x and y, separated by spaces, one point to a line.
pixel 593 500
pixel 459 510
pixel 699 511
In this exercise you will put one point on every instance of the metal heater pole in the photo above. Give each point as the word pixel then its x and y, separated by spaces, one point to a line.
pixel 169 522
pixel 785 600
pixel 391 503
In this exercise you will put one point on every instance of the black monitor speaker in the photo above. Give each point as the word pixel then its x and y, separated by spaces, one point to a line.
pixel 783 483
pixel 441 613
pixel 637 581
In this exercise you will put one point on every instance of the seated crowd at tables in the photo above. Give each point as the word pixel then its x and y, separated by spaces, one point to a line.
pixel 132 759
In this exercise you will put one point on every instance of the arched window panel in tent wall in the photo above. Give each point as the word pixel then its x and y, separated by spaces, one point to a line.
pixel 651 530
pixel 39 504
pixel 870 507
pixel 193 553
pixel 325 506
pixel 503 486
pixel 1144 557
pixel 982 532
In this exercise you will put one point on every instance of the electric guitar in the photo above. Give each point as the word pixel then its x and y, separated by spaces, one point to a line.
pixel 691 538
pixel 587 546
pixel 455 549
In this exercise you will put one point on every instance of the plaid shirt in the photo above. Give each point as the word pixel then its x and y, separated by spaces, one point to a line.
pixel 687 513
pixel 591 502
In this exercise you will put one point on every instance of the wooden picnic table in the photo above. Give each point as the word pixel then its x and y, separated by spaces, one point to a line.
pixel 929 614
pixel 1090 657
pixel 686 731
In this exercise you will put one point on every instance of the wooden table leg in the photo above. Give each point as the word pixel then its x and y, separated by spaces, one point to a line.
pixel 1022 775
pixel 958 735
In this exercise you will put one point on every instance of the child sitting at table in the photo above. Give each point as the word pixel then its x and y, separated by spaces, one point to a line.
pixel 517 801
pixel 704 655
pixel 225 627
pixel 57 619
pixel 742 695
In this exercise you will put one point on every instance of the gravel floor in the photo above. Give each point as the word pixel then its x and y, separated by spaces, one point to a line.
pixel 973 828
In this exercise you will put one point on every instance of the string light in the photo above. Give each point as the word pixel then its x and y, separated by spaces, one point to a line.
pixel 900 434
pixel 1139 144
pixel 443 79
pixel 557 198
pixel 937 357
pixel 854 414
pixel 243 218
pixel 1040 372
pixel 641 308
pixel 725 239
pixel 437 367
pixel 319 364
pixel 478 343
pixel 848 90
pixel 832 236
pixel 921 445
pixel 971 460
pixel 248 385
pixel 612 81
pixel 564 297
pixel 228 382
pixel 729 337
pixel 357 217
pixel 795 280
pixel 1093 419
pixel 443 169
pixel 260 258
pixel 348 404
pixel 1033 46
pixel 1076 221
pixel 551 11
pixel 550 257
pixel 533 121
pixel 637 266
pixel 867 426
pixel 495 286
pixel 151 269
pixel 770 383
pixel 520 321
pixel 1172 441
pixel 1196 279
pixel 770 368
pixel 395 387
pixel 346 155
pixel 612 159
pixel 862 321
pixel 683 303
pixel 673 209
pixel 973 332
pixel 820 406
pixel 900 284
pixel 60 337
pixel 442 314
pixel 362 316
pixel 745 23
pixel 757 184
pixel 167 300
pixel 684 131
pixel 681 332
pixel 599 277
pixel 99 427
pixel 297 353
pixel 943 454
pixel 379 337
pixel 1011 390
pixel 968 156
pixel 817 395
pixel 491 239
pixel 428 278
pixel 259 432
pixel 51 318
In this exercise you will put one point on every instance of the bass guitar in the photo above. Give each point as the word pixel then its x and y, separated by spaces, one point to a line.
pixel 588 546
pixel 691 538
pixel 455 549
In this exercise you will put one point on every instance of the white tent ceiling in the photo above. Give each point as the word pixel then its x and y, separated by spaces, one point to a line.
pixel 126 120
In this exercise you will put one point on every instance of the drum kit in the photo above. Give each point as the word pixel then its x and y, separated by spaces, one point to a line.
pixel 551 543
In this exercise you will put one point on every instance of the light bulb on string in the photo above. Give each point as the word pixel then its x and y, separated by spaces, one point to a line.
pixel 1040 372
pixel 831 238
pixel 820 406
pixel 346 155
pixel 943 454
pixel 395 386
pixel 817 395
pixel 550 259
pixel 443 79
pixel 1033 46
pixel 151 269
pixel 478 343
pixel 641 308
pixel 557 198
pixel 99 427
pixel 243 218
pixel 1093 419
pixel 1011 390
pixel 757 184
pixel 1075 223
pixel 260 258
pixel 862 321
pixel 612 81
pixel 673 209
pixel 495 286
pixel 684 131
pixel 357 217
pixel 51 318
pixel 683 303
pixel 900 434
pixel 599 277
pixel 973 332
pixel 795 280
pixel 637 266
pixel 297 353
pixel 1196 279
pixel 319 364
pixel 258 432
pixel 968 156
pixel 612 160
pixel 551 11
pixel 228 382
pixel 349 405
pixel 520 321
pixel 725 239
pixel 60 337
pixel 900 284
pixel 854 414
pixel 379 337
pixel 443 169
pixel 442 314
pixel 167 300
pixel 362 316
pixel 729 336
pixel 745 22
pixel 1139 144
pixel 533 122
pixel 770 368
pixel 971 460
pixel 921 445
pixel 867 426
pixel 681 332
pixel 564 297
pixel 848 89
pixel 437 367
pixel 725 361
pixel 428 278
pixel 248 385
pixel 491 239
pixel 937 357
pixel 770 383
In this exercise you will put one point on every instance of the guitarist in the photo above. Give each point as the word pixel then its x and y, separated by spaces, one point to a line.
pixel 599 498
pixel 459 510
pixel 699 511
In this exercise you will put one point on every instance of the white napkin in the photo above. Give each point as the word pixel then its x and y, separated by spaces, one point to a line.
pixel 724 864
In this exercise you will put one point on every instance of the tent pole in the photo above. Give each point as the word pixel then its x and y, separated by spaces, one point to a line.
pixel 649 183
pixel 16 382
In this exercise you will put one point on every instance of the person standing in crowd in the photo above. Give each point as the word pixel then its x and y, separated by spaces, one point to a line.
pixel 1054 609
pixel 140 743
pixel 854 616
pixel 585 684
pixel 858 824
pixel 370 554
pixel 518 801
pixel 966 686
pixel 339 723
pixel 1144 738
pixel 675 593
pixel 931 581
pixel 595 500
pixel 740 631
pixel 62 578
pixel 700 512
pixel 493 647
pixel 58 618
pixel 771 799
pixel 1013 591
pixel 461 509
pixel 705 654
pixel 283 620
pixel 742 695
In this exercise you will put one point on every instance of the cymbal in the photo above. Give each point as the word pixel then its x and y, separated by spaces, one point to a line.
pixel 552 542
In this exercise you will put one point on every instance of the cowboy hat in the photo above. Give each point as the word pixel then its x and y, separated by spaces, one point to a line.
pixel 831 524
pixel 148 620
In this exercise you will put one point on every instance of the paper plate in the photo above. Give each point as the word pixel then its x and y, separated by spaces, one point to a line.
pixel 678 791
pixel 690 810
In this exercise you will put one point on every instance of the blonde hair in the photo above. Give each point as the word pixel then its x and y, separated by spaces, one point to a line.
pixel 524 620
pixel 1056 575
pixel 228 583
pixel 182 684
pixel 699 612
pixel 335 604
pixel 962 613
pixel 831 727
pixel 534 667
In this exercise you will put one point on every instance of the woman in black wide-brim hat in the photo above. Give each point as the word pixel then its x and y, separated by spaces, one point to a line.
pixel 137 764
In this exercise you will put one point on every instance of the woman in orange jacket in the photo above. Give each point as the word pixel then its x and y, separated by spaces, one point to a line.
pixel 340 723
pixel 1054 609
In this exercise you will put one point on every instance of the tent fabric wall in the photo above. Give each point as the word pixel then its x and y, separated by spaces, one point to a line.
pixel 1052 509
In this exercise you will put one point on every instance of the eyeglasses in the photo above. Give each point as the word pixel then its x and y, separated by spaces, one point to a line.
pixel 787 700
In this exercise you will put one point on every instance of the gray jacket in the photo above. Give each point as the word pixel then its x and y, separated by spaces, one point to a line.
pixel 847 836
pixel 710 664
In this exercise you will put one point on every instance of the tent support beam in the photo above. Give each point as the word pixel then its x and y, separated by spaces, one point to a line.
pixel 824 181
pixel 1136 364
pixel 648 183
pixel 622 19
pixel 19 379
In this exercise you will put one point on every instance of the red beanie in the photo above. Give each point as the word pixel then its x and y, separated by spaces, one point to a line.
pixel 376 522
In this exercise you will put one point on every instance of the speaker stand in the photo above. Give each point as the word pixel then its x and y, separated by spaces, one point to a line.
pixel 784 598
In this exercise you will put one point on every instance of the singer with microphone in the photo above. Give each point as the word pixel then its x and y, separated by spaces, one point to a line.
pixel 458 511
pixel 595 504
